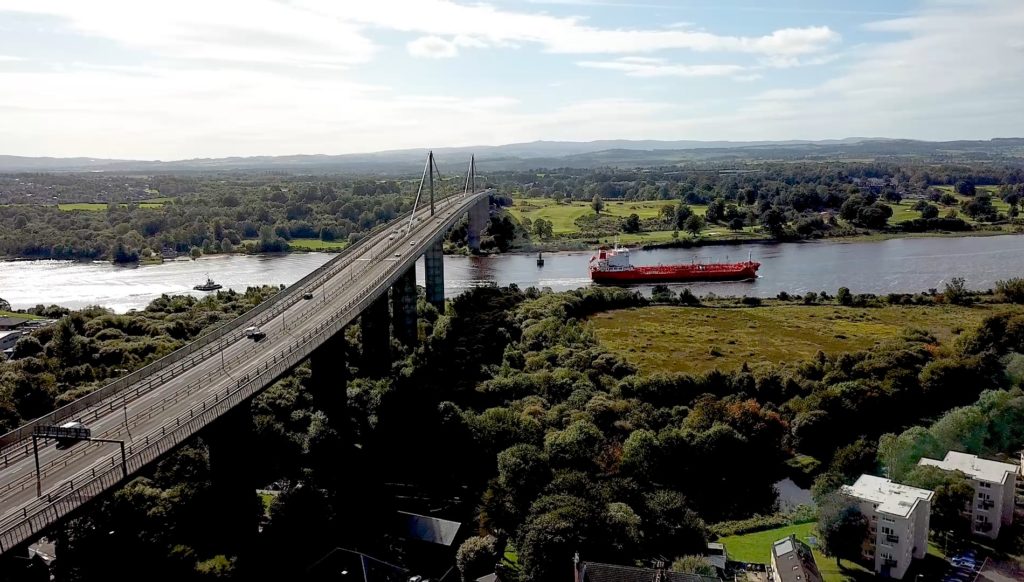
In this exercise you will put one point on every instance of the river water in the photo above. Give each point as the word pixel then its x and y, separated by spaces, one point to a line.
pixel 892 266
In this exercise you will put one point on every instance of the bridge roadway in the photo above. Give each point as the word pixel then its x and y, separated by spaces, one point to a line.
pixel 154 415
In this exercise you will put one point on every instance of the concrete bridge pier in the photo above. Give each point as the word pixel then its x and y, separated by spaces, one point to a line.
pixel 327 382
pixel 403 307
pixel 376 331
pixel 433 262
pixel 232 458
pixel 478 215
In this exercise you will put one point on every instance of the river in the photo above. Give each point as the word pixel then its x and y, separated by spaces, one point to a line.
pixel 891 266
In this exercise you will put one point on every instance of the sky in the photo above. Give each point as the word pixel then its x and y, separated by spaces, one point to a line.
pixel 163 79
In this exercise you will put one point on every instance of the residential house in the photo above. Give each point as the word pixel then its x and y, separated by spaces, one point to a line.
pixel 898 518
pixel 995 486
pixel 8 323
pixel 793 561
pixel 597 572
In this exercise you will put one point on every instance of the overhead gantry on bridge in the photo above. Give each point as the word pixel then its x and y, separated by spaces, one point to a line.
pixel 162 405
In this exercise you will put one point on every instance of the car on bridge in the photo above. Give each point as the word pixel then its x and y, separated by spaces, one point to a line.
pixel 306 294
pixel 67 442
pixel 254 333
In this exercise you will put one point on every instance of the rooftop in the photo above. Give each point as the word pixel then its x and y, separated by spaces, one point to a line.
pixel 596 572
pixel 7 322
pixel 794 561
pixel 975 468
pixel 891 498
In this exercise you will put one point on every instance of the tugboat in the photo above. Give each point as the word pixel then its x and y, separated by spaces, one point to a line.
pixel 209 285
pixel 613 266
pixel 540 259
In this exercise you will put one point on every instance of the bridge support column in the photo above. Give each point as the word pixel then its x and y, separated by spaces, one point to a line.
pixel 232 459
pixel 478 216
pixel 433 264
pixel 403 307
pixel 327 383
pixel 375 326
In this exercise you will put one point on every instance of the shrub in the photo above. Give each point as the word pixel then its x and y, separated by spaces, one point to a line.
pixel 749 525
pixel 1012 290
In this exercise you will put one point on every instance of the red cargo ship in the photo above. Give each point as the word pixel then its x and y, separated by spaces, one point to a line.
pixel 612 266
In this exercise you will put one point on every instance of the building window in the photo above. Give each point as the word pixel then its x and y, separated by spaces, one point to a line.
pixel 984 485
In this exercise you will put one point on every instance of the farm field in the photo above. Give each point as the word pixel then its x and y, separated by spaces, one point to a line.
pixel 699 339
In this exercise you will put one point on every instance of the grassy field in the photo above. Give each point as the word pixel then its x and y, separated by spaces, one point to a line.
pixel 101 206
pixel 756 547
pixel 21 315
pixel 309 244
pixel 698 339
pixel 563 216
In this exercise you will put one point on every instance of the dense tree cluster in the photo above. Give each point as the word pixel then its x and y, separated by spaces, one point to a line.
pixel 85 349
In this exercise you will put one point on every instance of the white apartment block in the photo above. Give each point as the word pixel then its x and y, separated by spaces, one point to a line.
pixel 995 486
pixel 897 522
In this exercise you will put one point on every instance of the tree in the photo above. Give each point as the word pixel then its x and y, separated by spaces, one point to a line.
pixel 631 224
pixel 774 222
pixel 195 252
pixel 715 210
pixel 597 204
pixel 929 211
pixel 736 224
pixel 964 188
pixel 4 305
pixel 694 224
pixel 842 527
pixel 953 492
pixel 544 229
pixel 843 296
pixel 683 212
pixel 694 564
pixel 476 557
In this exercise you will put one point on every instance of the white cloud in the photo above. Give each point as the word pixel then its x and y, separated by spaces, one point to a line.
pixel 10 58
pixel 559 34
pixel 432 47
pixel 250 31
pixel 932 83
pixel 639 67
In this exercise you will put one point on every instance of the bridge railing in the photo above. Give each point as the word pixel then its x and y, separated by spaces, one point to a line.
pixel 69 496
pixel 232 328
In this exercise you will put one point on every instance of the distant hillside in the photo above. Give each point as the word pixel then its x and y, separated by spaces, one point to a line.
pixel 548 154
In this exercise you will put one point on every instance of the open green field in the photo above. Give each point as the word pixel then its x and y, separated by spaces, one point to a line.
pixel 756 547
pixel 699 339
pixel 101 206
pixel 309 244
pixel 21 315
pixel 997 202
pixel 563 216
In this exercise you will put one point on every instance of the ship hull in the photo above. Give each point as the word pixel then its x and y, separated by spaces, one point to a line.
pixel 676 274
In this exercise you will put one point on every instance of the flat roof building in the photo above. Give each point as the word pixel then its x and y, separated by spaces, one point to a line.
pixel 898 518
pixel 995 486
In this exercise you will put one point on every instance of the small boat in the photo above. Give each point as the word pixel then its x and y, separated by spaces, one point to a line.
pixel 540 259
pixel 613 266
pixel 209 285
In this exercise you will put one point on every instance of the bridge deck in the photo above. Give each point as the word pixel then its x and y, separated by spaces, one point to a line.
pixel 158 412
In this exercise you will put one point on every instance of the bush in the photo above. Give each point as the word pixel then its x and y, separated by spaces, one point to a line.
pixel 1011 290
pixel 751 301
pixel 749 525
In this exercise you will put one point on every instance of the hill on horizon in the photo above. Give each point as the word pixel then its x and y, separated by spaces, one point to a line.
pixel 550 154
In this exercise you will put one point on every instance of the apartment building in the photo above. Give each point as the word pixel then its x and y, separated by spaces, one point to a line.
pixel 897 522
pixel 995 486
pixel 792 561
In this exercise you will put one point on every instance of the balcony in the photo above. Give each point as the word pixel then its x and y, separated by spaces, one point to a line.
pixel 983 527
pixel 987 504
pixel 889 563
pixel 891 539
